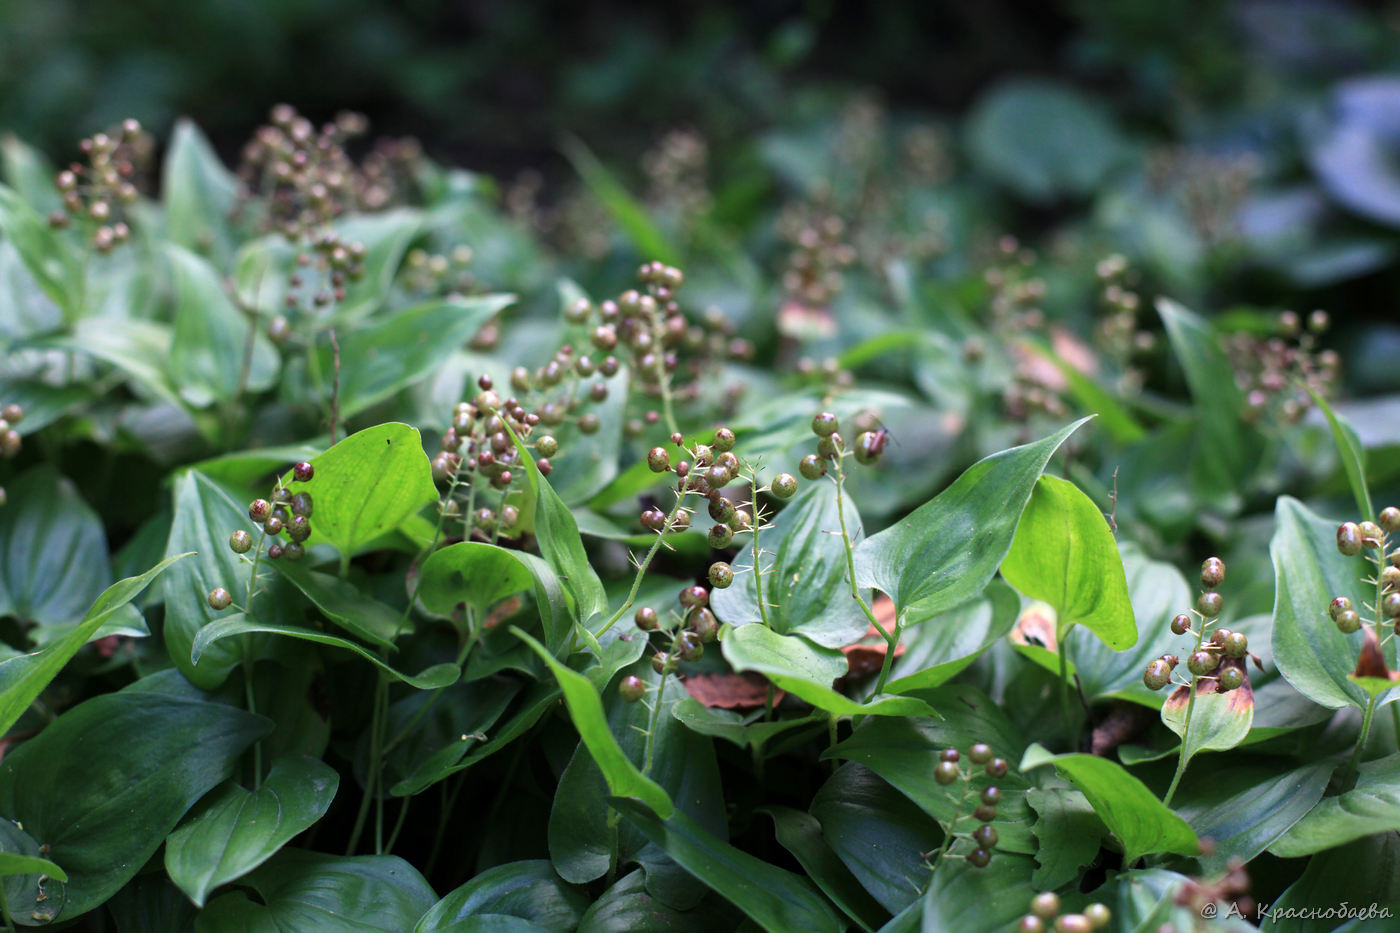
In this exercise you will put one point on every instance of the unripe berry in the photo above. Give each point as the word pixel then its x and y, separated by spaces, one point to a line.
pixel 302 504
pixel 654 519
pixel 1212 573
pixel 721 575
pixel 294 550
pixel 985 812
pixel 812 467
pixel 1389 517
pixel 260 510
pixel 589 423
pixel 273 526
pixel 1390 577
pixel 946 772
pixel 1348 622
pixel 720 536
pixel 1236 644
pixel 219 598
pixel 1030 924
pixel 997 767
pixel 1210 604
pixel 1371 534
pixel 985 836
pixel 298 529
pixel 870 446
pixel 950 754
pixel 663 663
pixel 1181 624
pixel 830 446
pixel 1098 916
pixel 647 619
pixel 1158 675
pixel 1338 606
pixel 631 689
pixel 1073 923
pixel 274 552
pixel 979 858
pixel 784 486
pixel 980 753
pixel 991 796
pixel 658 460
pixel 1349 539
pixel 1231 678
pixel 1201 663
pixel 717 477
pixel 824 424
pixel 1390 605
pixel 546 445
pixel 703 623
pixel 689 646
pixel 240 541
pixel 1045 905
pixel 692 597
pixel 303 472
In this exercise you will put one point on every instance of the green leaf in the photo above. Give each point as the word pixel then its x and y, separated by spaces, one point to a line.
pixel 1067 835
pixel 430 678
pixel 1359 876
pixel 586 710
pixel 529 890
pixel 936 651
pixel 732 727
pixel 1114 418
pixel 1351 453
pixel 12 864
pixel 367 484
pixel 559 539
pixel 29 173
pixel 343 604
pixel 1065 555
pixel 199 194
pixel 210 348
pixel 54 266
pixel 1225 451
pixel 1253 816
pixel 804 573
pixel 386 354
pixel 626 907
pixel 102 823
pixel 439 728
pixel 961 897
pixel 1310 652
pixel 1130 811
pixel 139 348
pixel 22 679
pixel 1219 721
pixel 482 575
pixel 151 904
pixel 775 899
pixel 232 831
pixel 28 874
pixel 53 554
pixel 1372 806
pixel 801 834
pixel 946 551
pixel 805 670
pixel 647 239
pixel 877 833
pixel 311 891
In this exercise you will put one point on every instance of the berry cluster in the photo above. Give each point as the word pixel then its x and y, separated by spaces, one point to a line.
pixel 322 273
pixel 868 449
pixel 1118 333
pixel 438 274
pixel 1045 909
pixel 675 169
pixel 286 514
pixel 1232 887
pixel 1220 657
pixel 982 839
pixel 818 256
pixel 704 472
pixel 10 441
pixel 1372 537
pixel 685 633
pixel 1276 371
pixel 99 194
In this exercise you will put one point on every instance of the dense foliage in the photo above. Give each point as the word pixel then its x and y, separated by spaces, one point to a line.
pixel 752 539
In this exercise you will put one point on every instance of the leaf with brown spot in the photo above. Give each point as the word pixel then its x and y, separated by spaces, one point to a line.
pixel 1219 721
pixel 731 691
pixel 1372 674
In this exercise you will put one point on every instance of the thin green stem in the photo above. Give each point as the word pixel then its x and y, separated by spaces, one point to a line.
pixel 252 708
pixel 1070 725
pixel 1181 759
pixel 757 554
pixel 950 836
pixel 651 726
pixel 642 569
pixel 372 775
pixel 1365 734
pixel 831 723
pixel 473 634
pixel 891 638
pixel 398 824
pixel 449 800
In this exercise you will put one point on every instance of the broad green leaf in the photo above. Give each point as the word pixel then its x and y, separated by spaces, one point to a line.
pixel 1067 834
pixel 205 516
pixel 385 354
pixel 805 670
pixel 1372 806
pixel 1225 452
pixel 53 554
pixel 150 903
pixel 729 725
pixel 559 539
pixel 22 679
pixel 345 605
pixel 1219 721
pixel 302 890
pixel 102 823
pixel 947 551
pixel 1362 876
pixel 586 710
pixel 1065 555
pixel 482 575
pixel 801 834
pixel 1310 652
pixel 878 834
pixel 139 348
pixel 27 876
pixel 1131 811
pixel 52 263
pixel 430 678
pixel 1256 812
pixel 29 173
pixel 233 830
pixel 367 484
pixel 647 239
pixel 904 751
pixel 1352 455
pixel 199 193
pixel 936 651
pixel 961 897
pixel 211 359
pixel 12 864
pixel 775 899
pixel 626 907
pixel 529 890
pixel 805 588
pixel 438 729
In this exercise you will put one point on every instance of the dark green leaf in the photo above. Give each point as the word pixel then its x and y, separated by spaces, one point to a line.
pixel 801 835
pixel 1250 819
pixel 939 649
pixel 482 575
pixel 1218 721
pixel 730 726
pixel 56 268
pixel 962 897
pixel 529 890
pixel 345 605
pixel 53 554
pixel 1067 835
pixel 234 830
pixel 1362 876
pixel 1372 806
pixel 626 907
pixel 199 194
pixel 946 551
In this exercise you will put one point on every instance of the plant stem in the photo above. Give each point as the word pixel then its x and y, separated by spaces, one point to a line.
pixel 5 911
pixel 1063 652
pixel 950 831
pixel 642 569
pixel 1186 728
pixel 651 726
pixel 1365 734
pixel 252 708
pixel 891 638
pixel 757 556
pixel 398 824
pixel 372 776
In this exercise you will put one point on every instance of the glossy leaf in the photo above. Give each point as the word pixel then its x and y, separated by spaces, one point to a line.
pixel 1352 455
pixel 343 604
pixel 430 678
pixel 54 266
pixel 961 897
pixel 804 573
pixel 482 575
pixel 1372 806
pixel 199 194
pixel 53 553
pixel 1131 811
pixel 941 648
pixel 1362 876
pixel 626 907
pixel 22 679
pixel 775 899
pixel 233 830
pixel 1249 820
pixel 311 891
pixel 1310 652
pixel 1065 555
pixel 732 727
pixel 102 824
pixel 1067 834
pixel 586 710
pixel 528 890
pixel 801 834
pixel 367 484
pixel 390 353
pixel 1218 721
pixel 946 551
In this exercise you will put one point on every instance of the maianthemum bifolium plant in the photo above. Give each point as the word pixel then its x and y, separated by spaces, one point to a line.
pixel 361 570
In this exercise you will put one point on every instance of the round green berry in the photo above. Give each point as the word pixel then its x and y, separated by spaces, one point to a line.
pixel 1209 604
pixel 1390 577
pixel 1338 606
pixel 1158 675
pixel 946 772
pixel 825 424
pixel 870 445
pixel 1231 678
pixel 1389 517
pixel 658 460
pixel 273 525
pixel 663 663
pixel 259 510
pixel 991 796
pixel 720 537
pixel 1073 923
pixel 1030 924
pixel 812 467
pixel 1212 573
pixel 703 623
pixel 1236 644
pixel 302 504
pixel 589 423
pixel 1098 916
pixel 1390 605
pixel 997 767
pixel 784 485
pixel 294 550
pixel 1348 622
pixel 1371 534
pixel 240 541
pixel 830 446
pixel 721 575
pixel 978 858
pixel 721 509
pixel 1201 663
pixel 980 753
pixel 689 646
pixel 717 476
pixel 985 836
pixel 547 445
pixel 692 597
pixel 985 812
pixel 1349 539
pixel 1045 905
pixel 647 619
pixel 724 440
pixel 1181 624
pixel 219 598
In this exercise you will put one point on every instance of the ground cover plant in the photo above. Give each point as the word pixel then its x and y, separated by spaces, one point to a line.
pixel 383 548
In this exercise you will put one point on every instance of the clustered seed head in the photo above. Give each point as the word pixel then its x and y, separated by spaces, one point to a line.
pixel 98 194
pixel 1354 538
pixel 1205 659
pixel 1276 371
pixel 1045 909
pixel 949 770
